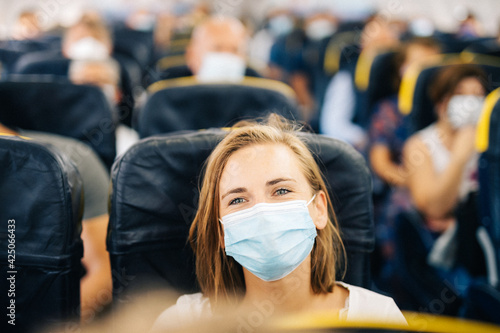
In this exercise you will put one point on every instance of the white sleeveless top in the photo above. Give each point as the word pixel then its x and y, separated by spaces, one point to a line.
pixel 361 305
pixel 441 158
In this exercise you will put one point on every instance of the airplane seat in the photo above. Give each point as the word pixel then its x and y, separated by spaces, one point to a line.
pixel 76 111
pixel 414 99
pixel 155 197
pixel 374 80
pixel 186 104
pixel 489 47
pixel 53 63
pixel 41 210
pixel 137 45
pixel 483 298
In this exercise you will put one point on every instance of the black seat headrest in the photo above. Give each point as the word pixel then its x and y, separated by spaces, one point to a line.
pixel 188 105
pixel 155 198
pixel 41 192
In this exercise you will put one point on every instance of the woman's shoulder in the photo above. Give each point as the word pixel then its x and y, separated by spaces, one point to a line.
pixel 368 305
pixel 187 309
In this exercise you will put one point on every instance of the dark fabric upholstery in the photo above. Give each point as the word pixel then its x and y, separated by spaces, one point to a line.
pixel 183 71
pixel 382 84
pixel 489 184
pixel 200 106
pixel 155 197
pixel 42 191
pixel 77 111
pixel 54 63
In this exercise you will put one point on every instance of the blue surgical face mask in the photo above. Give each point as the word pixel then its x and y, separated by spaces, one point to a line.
pixel 270 239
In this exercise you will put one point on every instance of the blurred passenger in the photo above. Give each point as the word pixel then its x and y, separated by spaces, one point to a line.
pixel 141 20
pixel 297 59
pixel 217 51
pixel 106 75
pixel 441 162
pixel 27 26
pixel 338 112
pixel 388 132
pixel 265 233
pixel 95 286
pixel 470 27
pixel 89 39
pixel 278 22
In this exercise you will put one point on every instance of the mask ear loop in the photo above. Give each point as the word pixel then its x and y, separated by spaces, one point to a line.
pixel 314 196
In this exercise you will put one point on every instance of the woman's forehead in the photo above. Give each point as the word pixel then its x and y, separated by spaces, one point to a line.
pixel 260 161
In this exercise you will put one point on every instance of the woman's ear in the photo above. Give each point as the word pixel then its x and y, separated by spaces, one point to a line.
pixel 319 212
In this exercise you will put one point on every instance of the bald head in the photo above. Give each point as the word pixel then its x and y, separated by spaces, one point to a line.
pixel 216 34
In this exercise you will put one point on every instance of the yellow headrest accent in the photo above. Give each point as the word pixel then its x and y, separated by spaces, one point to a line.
pixel 179 43
pixel 483 126
pixel 19 136
pixel 480 59
pixel 417 322
pixel 362 73
pixel 407 88
pixel 170 61
pixel 247 81
pixel 410 77
pixel 335 47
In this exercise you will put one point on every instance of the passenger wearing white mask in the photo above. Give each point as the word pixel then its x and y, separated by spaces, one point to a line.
pixel 447 171
pixel 216 52
pixel 105 74
pixel 442 173
pixel 320 26
pixel 89 39
pixel 279 22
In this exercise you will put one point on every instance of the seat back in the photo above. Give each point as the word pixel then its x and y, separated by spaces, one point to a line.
pixel 489 47
pixel 375 79
pixel 414 97
pixel 76 111
pixel 43 62
pixel 185 104
pixel 488 143
pixel 40 216
pixel 155 197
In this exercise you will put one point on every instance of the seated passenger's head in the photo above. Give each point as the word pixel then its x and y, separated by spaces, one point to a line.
pixel 89 39
pixel 262 186
pixel 218 44
pixel 27 26
pixel 458 93
pixel 378 33
pixel 414 52
pixel 102 73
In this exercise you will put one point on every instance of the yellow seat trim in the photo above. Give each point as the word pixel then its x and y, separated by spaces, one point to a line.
pixel 410 77
pixel 247 81
pixel 335 47
pixel 417 322
pixel 170 61
pixel 483 126
pixel 19 136
pixel 362 71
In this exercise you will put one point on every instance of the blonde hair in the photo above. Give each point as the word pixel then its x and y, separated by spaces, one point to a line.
pixel 220 277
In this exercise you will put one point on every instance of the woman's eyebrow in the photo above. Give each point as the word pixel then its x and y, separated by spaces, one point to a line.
pixel 279 180
pixel 234 190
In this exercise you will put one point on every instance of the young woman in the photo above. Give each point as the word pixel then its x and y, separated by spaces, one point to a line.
pixel 441 162
pixel 265 233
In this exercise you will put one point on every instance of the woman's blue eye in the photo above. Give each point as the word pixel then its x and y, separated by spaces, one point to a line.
pixel 282 191
pixel 236 201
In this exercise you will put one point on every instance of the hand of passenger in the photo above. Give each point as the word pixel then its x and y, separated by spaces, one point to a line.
pixel 463 146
